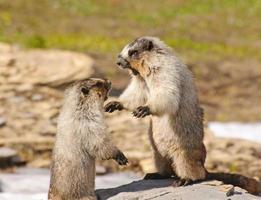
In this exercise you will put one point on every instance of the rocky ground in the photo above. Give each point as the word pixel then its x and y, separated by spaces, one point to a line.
pixel 162 190
pixel 31 91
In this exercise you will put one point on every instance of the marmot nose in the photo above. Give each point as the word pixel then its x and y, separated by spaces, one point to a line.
pixel 118 62
pixel 122 62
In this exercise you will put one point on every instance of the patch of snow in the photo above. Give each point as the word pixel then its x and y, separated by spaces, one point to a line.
pixel 32 184
pixel 248 131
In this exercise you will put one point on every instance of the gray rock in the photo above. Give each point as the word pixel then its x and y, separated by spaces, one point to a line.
pixel 6 152
pixel 8 157
pixel 100 170
pixel 37 97
pixel 162 190
pixel 2 121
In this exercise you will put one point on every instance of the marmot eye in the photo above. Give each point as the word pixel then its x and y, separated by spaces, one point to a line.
pixel 98 84
pixel 84 90
pixel 133 53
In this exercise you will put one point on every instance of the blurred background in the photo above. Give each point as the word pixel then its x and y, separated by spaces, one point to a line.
pixel 47 44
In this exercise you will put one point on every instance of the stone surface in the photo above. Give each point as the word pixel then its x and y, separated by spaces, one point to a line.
pixel 162 190
pixel 8 157
pixel 53 67
pixel 2 121
pixel 44 67
pixel 32 183
pixel 6 152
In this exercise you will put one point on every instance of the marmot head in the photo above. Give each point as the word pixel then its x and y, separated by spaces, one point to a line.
pixel 93 87
pixel 136 54
pixel 87 93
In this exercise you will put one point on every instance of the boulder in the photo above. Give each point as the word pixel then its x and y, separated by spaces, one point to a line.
pixel 162 190
pixel 8 157
pixel 44 67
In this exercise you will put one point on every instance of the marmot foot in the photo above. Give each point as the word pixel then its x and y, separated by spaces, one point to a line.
pixel 155 176
pixel 112 106
pixel 141 111
pixel 184 182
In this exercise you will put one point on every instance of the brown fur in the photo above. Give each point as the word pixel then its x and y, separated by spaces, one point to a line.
pixel 81 138
pixel 163 87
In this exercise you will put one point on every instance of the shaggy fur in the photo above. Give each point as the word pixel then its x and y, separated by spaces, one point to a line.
pixel 81 138
pixel 162 86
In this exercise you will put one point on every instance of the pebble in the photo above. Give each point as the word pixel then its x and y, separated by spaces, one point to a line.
pixel 37 97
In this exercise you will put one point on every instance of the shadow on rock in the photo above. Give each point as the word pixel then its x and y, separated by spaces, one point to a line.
pixel 133 187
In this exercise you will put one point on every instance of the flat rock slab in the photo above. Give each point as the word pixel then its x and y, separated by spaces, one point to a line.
pixel 162 190
pixel 6 152
pixel 8 157
pixel 43 67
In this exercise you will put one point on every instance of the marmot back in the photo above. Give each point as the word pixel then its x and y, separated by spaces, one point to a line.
pixel 81 138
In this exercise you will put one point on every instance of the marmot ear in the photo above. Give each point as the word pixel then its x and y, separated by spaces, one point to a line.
pixel 148 45
pixel 84 90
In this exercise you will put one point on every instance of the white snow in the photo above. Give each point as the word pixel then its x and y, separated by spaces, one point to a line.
pixel 32 184
pixel 248 131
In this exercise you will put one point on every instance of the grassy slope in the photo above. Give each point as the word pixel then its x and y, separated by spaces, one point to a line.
pixel 220 40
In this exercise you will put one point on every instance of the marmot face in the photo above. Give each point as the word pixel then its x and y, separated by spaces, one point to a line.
pixel 92 88
pixel 136 55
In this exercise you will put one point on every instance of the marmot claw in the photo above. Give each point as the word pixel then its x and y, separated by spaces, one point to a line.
pixel 112 106
pixel 121 159
pixel 141 111
pixel 183 182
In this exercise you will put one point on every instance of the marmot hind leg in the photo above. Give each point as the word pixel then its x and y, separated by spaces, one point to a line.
pixel 163 167
pixel 189 167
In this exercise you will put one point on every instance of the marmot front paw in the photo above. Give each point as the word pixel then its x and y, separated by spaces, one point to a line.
pixel 112 106
pixel 141 111
pixel 121 159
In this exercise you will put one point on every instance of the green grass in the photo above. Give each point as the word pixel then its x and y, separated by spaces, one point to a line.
pixel 219 39
pixel 231 27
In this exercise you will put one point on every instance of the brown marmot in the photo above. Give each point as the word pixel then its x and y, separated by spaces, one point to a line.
pixel 162 86
pixel 81 138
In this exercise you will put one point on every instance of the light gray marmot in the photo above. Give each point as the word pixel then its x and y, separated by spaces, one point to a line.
pixel 162 86
pixel 81 138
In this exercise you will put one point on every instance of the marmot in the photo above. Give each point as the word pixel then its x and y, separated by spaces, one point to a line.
pixel 81 137
pixel 162 86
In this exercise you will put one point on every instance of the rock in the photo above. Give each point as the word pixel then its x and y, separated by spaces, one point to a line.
pixel 147 165
pixel 2 121
pixel 24 87
pixel 53 67
pixel 44 67
pixel 6 152
pixel 100 170
pixel 162 190
pixel 8 157
pixel 39 163
pixel 37 97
